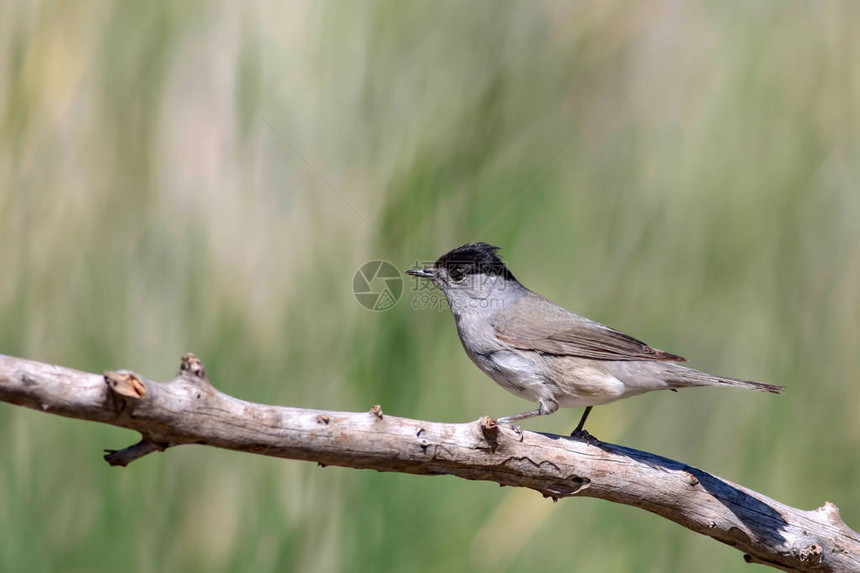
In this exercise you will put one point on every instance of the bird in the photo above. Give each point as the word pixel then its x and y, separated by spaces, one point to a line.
pixel 541 352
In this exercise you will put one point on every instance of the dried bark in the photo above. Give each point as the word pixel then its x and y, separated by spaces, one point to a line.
pixel 189 410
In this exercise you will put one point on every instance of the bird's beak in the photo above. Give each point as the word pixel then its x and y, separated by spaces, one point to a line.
pixel 427 273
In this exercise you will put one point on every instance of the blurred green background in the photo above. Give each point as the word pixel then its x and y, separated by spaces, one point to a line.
pixel 200 176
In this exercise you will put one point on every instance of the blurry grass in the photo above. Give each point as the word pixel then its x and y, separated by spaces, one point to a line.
pixel 682 173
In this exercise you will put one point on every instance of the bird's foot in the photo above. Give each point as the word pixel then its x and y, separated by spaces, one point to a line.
pixel 516 429
pixel 581 434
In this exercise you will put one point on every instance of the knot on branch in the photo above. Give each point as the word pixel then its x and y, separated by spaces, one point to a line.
pixel 490 431
pixel 192 370
pixel 811 554
pixel 831 513
pixel 489 426
pixel 125 385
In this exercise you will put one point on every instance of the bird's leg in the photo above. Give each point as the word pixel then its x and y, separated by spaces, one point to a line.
pixel 581 423
pixel 508 419
pixel 544 408
pixel 579 432
pixel 522 416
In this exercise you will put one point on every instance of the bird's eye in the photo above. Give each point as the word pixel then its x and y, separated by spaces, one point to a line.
pixel 457 275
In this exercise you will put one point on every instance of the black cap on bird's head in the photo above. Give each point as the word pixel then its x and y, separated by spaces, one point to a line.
pixel 468 259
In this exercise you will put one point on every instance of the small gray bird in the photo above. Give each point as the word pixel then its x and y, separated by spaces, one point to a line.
pixel 539 351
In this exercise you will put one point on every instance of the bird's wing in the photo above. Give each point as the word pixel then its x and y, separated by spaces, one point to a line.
pixel 534 323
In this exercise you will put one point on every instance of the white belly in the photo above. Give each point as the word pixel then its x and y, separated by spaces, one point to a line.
pixel 574 386
pixel 515 374
pixel 590 387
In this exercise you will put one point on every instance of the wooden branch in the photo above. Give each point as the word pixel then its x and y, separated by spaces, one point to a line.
pixel 188 410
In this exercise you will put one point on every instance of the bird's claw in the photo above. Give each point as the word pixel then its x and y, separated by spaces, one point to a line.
pixel 516 429
pixel 583 435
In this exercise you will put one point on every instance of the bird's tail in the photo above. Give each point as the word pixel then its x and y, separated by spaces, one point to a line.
pixel 687 377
